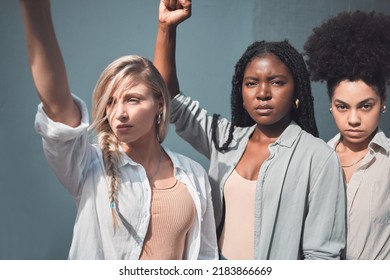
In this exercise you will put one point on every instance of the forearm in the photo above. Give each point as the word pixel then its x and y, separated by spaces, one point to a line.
pixel 170 14
pixel 164 57
pixel 46 62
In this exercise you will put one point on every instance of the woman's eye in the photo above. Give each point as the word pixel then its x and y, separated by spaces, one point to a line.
pixel 250 84
pixel 132 100
pixel 341 107
pixel 366 106
pixel 279 83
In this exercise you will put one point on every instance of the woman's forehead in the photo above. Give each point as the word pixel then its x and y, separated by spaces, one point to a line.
pixel 129 88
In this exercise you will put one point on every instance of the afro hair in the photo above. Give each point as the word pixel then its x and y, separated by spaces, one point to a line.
pixel 351 46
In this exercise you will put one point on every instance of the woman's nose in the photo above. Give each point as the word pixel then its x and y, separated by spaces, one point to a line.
pixel 121 113
pixel 354 118
pixel 263 92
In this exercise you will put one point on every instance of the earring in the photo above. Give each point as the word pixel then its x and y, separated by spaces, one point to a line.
pixel 330 110
pixel 159 117
pixel 384 109
pixel 297 103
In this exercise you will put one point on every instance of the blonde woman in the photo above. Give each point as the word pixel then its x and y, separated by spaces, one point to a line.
pixel 135 199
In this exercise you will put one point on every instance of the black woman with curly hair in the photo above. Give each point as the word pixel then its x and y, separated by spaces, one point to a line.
pixel 351 53
pixel 278 190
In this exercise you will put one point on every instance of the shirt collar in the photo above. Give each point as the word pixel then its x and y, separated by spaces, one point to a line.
pixel 289 135
pixel 125 159
pixel 379 142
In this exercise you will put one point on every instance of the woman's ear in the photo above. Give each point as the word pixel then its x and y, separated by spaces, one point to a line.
pixel 160 104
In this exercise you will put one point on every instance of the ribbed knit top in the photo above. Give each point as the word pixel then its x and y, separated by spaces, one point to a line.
pixel 172 215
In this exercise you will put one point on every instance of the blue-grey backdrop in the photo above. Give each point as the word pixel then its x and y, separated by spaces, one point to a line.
pixel 36 213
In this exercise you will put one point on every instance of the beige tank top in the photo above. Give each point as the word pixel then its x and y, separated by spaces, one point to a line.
pixel 172 216
pixel 237 238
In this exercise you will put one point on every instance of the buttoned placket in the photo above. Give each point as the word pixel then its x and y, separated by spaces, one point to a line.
pixel 353 187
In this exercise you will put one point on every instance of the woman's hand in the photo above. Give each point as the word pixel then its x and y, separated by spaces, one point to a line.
pixel 172 12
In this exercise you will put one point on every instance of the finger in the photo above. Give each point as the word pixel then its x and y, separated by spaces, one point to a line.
pixel 186 5
pixel 166 3
pixel 172 4
pixel 178 5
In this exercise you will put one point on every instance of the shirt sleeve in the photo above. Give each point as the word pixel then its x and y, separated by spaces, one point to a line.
pixel 192 123
pixel 66 149
pixel 324 229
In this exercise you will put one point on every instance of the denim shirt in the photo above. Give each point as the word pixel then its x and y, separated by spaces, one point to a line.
pixel 300 197
pixel 79 167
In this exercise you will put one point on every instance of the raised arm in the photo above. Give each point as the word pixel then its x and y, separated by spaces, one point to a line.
pixel 171 14
pixel 46 62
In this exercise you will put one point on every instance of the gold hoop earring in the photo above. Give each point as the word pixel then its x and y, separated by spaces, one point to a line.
pixel 296 103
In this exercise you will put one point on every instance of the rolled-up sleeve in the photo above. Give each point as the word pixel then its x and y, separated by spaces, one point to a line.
pixel 66 149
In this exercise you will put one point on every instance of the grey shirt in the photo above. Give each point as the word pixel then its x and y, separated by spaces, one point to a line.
pixel 368 202
pixel 300 198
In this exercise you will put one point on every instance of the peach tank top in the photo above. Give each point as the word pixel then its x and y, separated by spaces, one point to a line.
pixel 172 216
pixel 237 238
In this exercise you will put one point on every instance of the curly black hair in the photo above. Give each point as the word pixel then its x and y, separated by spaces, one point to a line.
pixel 303 116
pixel 351 46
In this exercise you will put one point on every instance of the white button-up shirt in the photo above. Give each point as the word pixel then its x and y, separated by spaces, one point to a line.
pixel 79 166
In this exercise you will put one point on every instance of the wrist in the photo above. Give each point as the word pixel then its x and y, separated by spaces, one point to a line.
pixel 167 28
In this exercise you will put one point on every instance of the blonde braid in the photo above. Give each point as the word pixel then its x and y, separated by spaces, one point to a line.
pixel 109 145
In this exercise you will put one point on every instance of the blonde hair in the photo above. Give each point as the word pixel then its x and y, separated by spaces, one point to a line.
pixel 125 72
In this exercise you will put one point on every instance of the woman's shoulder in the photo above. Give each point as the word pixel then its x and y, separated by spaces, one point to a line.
pixel 314 144
pixel 295 136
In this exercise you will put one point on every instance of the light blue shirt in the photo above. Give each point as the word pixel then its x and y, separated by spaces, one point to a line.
pixel 300 198
pixel 80 168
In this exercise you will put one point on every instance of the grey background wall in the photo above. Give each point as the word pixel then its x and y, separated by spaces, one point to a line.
pixel 36 213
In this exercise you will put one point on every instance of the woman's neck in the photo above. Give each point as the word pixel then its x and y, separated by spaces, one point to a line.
pixel 143 151
pixel 269 134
